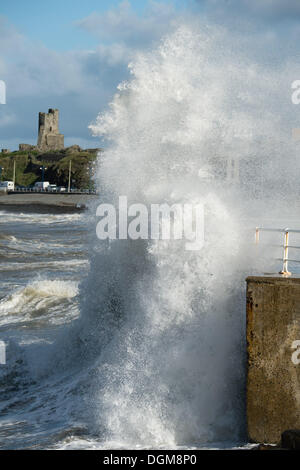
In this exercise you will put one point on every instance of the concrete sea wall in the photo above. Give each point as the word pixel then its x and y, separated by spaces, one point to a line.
pixel 45 199
pixel 273 344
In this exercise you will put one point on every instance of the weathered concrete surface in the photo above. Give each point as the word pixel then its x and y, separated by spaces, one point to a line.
pixel 273 381
pixel 45 199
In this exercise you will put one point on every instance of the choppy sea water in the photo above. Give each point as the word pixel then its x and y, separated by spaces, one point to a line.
pixel 43 259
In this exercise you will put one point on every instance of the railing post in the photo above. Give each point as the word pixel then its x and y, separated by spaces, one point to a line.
pixel 257 235
pixel 286 254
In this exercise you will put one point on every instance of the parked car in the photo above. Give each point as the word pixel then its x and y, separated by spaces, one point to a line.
pixel 61 189
pixel 52 188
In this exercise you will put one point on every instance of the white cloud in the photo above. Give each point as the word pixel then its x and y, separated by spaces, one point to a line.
pixel 6 119
pixel 272 8
pixel 123 24
pixel 29 68
pixel 265 9
pixel 114 54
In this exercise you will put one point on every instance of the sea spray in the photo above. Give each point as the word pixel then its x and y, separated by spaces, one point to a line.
pixel 170 324
pixel 195 124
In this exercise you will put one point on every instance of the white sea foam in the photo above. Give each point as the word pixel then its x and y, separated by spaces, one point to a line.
pixel 7 216
pixel 36 299
pixel 33 265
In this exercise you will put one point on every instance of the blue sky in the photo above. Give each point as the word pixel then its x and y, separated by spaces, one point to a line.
pixel 72 54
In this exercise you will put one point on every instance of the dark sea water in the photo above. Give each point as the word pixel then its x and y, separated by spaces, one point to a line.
pixel 43 258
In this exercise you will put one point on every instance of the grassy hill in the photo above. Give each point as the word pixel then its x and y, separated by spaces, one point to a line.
pixel 56 165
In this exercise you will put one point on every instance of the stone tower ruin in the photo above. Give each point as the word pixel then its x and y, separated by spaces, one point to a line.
pixel 49 137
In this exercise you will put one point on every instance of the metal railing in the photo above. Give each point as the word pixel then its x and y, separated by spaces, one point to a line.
pixel 45 191
pixel 285 259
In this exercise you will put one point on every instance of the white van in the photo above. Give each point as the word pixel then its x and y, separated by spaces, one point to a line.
pixel 7 186
pixel 41 185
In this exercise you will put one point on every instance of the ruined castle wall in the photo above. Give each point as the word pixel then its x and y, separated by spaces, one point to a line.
pixel 49 137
